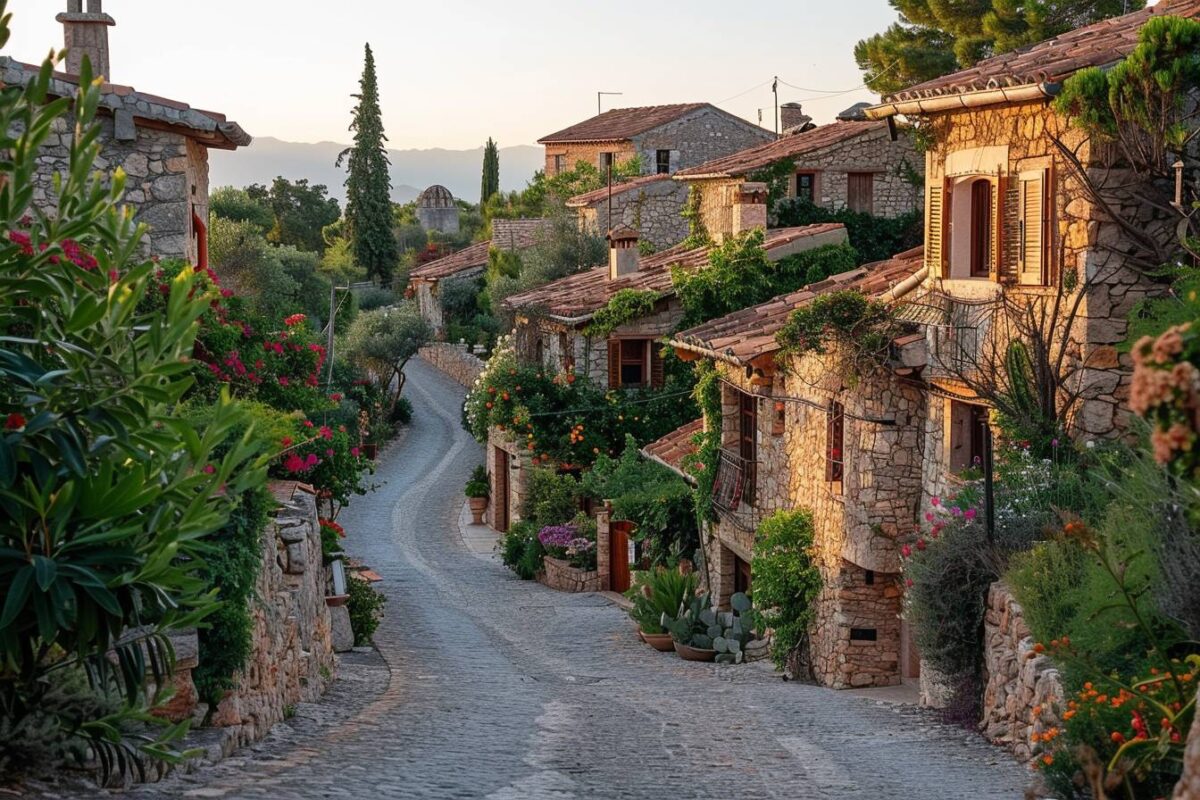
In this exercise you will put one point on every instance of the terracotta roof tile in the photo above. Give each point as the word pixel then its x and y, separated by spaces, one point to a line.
pixel 672 449
pixel 1053 60
pixel 622 123
pixel 517 234
pixel 599 195
pixel 580 295
pixel 792 146
pixel 744 335
pixel 507 234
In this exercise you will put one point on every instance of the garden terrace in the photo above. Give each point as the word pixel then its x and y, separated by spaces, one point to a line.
pixel 1034 72
pixel 575 298
pixel 672 449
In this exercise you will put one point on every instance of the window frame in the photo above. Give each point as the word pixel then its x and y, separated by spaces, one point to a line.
pixel 661 167
pixel 612 162
pixel 812 185
pixel 982 221
pixel 641 360
pixel 748 444
pixel 835 443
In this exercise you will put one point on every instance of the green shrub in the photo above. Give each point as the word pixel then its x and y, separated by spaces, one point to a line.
pixel 786 581
pixel 366 609
pixel 331 538
pixel 520 537
pixel 553 497
pixel 374 297
pixel 532 557
pixel 478 485
pixel 873 238
pixel 657 592
pixel 402 412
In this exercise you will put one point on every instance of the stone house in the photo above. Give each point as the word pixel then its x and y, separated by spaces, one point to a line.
pixel 651 206
pixel 551 330
pixel 852 163
pixel 510 235
pixel 161 144
pixel 800 432
pixel 1010 229
pixel 664 138
pixel 436 210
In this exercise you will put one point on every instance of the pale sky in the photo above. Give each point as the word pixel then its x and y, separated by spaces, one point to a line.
pixel 453 72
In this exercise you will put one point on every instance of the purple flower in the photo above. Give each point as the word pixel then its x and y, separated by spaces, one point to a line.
pixel 969 514
pixel 558 535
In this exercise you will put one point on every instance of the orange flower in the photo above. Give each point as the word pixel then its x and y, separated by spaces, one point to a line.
pixel 1047 759
pixel 1117 737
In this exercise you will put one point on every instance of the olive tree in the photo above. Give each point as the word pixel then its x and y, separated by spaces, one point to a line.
pixel 382 341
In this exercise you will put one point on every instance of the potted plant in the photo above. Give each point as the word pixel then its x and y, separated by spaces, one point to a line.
pixel 477 491
pixel 691 629
pixel 655 595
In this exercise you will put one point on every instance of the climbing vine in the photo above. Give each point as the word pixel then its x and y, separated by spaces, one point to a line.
pixel 702 463
pixel 776 176
pixel 697 232
pixel 863 328
pixel 624 306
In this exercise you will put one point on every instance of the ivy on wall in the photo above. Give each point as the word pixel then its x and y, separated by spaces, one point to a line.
pixel 624 306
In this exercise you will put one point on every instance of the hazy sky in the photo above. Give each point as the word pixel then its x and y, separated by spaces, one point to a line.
pixel 453 72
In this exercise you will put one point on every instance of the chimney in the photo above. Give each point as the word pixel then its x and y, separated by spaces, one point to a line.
pixel 622 252
pixel 793 119
pixel 85 33
pixel 749 207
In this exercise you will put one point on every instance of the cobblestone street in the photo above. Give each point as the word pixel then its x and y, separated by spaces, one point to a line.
pixel 500 688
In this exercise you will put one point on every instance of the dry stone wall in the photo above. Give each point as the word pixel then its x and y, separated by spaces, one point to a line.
pixel 292 660
pixel 699 137
pixel 654 211
pixel 1023 694
pixel 456 360
pixel 561 576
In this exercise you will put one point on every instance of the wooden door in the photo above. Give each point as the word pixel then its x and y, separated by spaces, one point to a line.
pixel 618 555
pixel 860 192
pixel 742 576
pixel 500 493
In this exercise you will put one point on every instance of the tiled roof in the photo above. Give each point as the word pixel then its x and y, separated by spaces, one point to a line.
pixel 472 257
pixel 599 195
pixel 744 335
pixel 208 127
pixel 580 295
pixel 672 449
pixel 507 234
pixel 1053 60
pixel 793 146
pixel 622 123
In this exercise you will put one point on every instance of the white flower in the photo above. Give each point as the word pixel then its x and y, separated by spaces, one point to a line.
pixel 1090 444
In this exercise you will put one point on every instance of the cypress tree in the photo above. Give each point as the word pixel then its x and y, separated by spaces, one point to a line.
pixel 368 185
pixel 491 172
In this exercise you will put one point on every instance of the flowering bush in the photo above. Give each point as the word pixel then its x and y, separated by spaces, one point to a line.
pixel 331 537
pixel 328 458
pixel 573 542
pixel 1166 391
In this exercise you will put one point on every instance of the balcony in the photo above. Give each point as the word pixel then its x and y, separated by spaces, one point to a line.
pixel 734 490
pixel 956 330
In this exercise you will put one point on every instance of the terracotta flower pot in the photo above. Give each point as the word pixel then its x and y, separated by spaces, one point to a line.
pixel 478 506
pixel 693 653
pixel 337 600
pixel 659 641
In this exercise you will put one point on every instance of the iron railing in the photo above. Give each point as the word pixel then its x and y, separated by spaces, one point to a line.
pixel 734 489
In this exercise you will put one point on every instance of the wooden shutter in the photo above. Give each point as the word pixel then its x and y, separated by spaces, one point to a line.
pixel 1031 267
pixel 935 229
pixel 860 192
pixel 657 378
pixel 614 363
pixel 999 194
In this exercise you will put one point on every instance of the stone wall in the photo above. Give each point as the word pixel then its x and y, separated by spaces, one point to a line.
pixel 589 153
pixel 430 306
pixel 519 465
pixel 699 137
pixel 455 360
pixel 292 660
pixel 167 181
pixel 1022 694
pixel 892 165
pixel 561 576
pixel 654 211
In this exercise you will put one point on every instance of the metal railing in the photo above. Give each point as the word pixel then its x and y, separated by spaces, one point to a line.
pixel 734 489
pixel 957 332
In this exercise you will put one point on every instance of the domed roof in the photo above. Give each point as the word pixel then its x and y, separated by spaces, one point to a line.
pixel 435 196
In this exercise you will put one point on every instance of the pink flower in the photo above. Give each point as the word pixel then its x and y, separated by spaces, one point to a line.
pixel 935 501
pixel 908 582
pixel 294 463
pixel 969 514
pixel 956 511
pixel 329 452
pixel 209 469
pixel 227 293
pixel 308 423
pixel 312 460
pixel 326 432
pixel 283 380
pixel 335 397
pixel 929 516
pixel 921 544
pixel 906 551
pixel 354 451
pixel 1054 442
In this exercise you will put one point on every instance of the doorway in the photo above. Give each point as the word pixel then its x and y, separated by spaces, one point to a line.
pixel 500 492
pixel 620 554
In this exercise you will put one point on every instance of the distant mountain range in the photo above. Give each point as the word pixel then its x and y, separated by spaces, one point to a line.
pixel 412 170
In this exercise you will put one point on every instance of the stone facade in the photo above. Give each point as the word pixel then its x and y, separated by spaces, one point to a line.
pixel 857 520
pixel 561 576
pixel 653 211
pixel 161 145
pixel 292 660
pixel 692 139
pixel 463 366
pixel 1023 694
pixel 437 211
pixel 508 490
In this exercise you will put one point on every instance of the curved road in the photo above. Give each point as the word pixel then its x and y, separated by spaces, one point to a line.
pixel 503 689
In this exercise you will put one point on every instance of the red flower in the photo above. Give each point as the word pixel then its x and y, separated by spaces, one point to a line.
pixel 294 463
pixel 354 451
pixel 286 441
pixel 209 469
pixel 14 422
pixel 21 239
pixel 294 320
pixel 308 423
pixel 906 551
pixel 326 432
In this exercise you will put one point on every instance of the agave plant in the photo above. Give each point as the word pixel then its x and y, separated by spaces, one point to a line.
pixel 657 593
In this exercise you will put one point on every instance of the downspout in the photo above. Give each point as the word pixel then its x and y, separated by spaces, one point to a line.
pixel 905 286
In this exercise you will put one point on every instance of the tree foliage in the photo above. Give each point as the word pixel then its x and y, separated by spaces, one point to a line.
pixel 382 342
pixel 873 238
pixel 936 37
pixel 299 212
pixel 490 183
pixel 368 185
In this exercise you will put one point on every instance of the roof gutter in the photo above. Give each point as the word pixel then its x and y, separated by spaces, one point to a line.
pixel 952 102
pixel 905 286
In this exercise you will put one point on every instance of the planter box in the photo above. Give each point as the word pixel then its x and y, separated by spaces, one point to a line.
pixel 560 575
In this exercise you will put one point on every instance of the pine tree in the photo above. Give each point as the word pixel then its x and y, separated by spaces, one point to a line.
pixel 368 185
pixel 491 172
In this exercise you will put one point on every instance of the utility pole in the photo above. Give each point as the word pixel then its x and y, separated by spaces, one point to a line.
pixel 598 95
pixel 989 496
pixel 775 90
pixel 610 219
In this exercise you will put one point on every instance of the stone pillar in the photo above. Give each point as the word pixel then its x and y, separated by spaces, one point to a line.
pixel 86 34
pixel 603 544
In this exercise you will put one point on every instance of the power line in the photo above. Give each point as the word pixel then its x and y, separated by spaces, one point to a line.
pixel 606 408
pixel 836 92
pixel 740 94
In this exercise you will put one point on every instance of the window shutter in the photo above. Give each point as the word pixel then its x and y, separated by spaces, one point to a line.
pixel 999 193
pixel 1031 267
pixel 614 363
pixel 935 229
pixel 656 366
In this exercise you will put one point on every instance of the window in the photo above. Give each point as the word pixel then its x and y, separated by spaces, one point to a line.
pixel 627 362
pixel 560 164
pixel 860 192
pixel 606 163
pixel 835 435
pixel 748 442
pixel 981 228
pixel 566 353
pixel 968 423
pixel 1033 226
pixel 662 162
pixel 539 351
pixel 806 186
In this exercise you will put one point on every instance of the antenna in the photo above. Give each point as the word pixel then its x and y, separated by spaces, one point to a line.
pixel 598 95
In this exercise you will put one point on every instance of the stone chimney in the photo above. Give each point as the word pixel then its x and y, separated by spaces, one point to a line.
pixel 792 118
pixel 85 33
pixel 622 252
pixel 749 207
